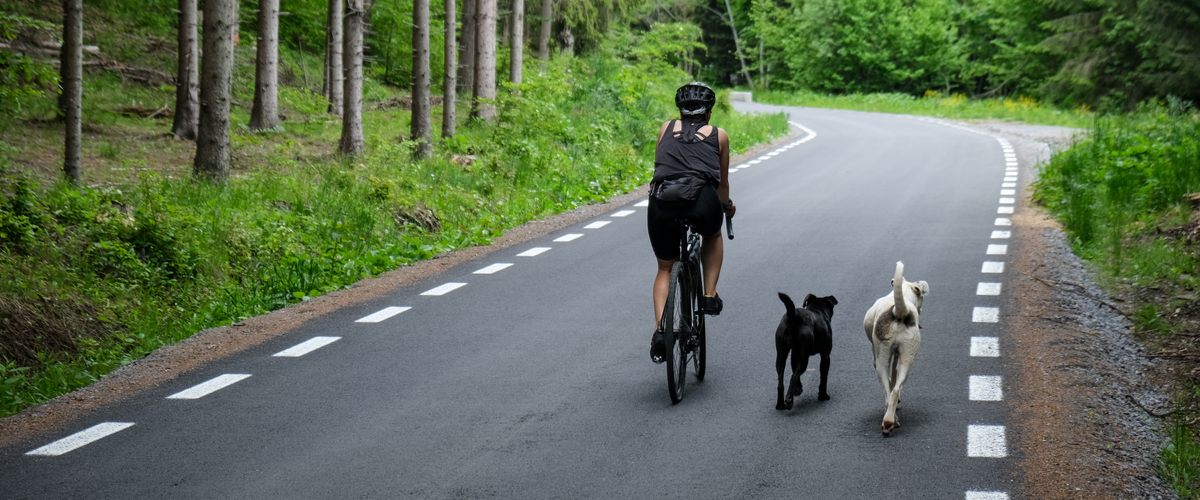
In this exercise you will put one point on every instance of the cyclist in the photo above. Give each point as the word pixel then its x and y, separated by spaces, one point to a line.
pixel 689 147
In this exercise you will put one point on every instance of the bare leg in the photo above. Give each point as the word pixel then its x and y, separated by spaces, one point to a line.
pixel 712 252
pixel 662 283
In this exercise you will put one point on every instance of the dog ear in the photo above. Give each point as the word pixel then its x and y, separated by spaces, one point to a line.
pixel 920 288
pixel 807 299
pixel 832 300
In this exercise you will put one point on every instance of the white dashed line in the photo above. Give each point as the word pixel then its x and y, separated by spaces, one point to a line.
pixel 1008 185
pixel 1004 210
pixel 993 267
pixel 985 315
pixel 443 289
pixel 623 213
pixel 533 252
pixel 763 158
pixel 643 203
pixel 997 250
pixel 499 266
pixel 742 166
pixel 1008 192
pixel 732 170
pixel 1001 235
pixel 382 314
pixel 1007 201
pixel 986 388
pixel 568 237
pixel 987 495
pixel 81 438
pixel 1010 164
pixel 1010 179
pixel 987 289
pixel 306 347
pixel 751 162
pixel 986 441
pixel 1001 221
pixel 773 153
pixel 203 389
pixel 985 347
pixel 597 225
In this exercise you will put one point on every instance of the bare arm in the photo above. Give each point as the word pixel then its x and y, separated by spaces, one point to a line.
pixel 723 188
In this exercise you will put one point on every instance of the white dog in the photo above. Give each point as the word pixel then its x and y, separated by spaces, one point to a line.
pixel 893 326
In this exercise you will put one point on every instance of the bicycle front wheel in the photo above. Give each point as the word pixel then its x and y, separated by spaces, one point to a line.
pixel 677 319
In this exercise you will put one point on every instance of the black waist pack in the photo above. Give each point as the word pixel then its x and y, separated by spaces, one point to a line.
pixel 678 191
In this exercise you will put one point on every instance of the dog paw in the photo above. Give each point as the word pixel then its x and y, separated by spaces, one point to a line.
pixel 887 426
pixel 780 406
pixel 788 405
pixel 823 397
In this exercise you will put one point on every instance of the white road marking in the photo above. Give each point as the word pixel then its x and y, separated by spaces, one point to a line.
pixel 596 225
pixel 742 166
pixel 986 388
pixel 443 289
pixel 732 170
pixel 773 153
pixel 1001 221
pixel 1007 201
pixel 568 237
pixel 1004 210
pixel 643 203
pixel 987 495
pixel 985 347
pixel 306 347
pixel 382 314
pixel 751 162
pixel 986 441
pixel 623 213
pixel 533 252
pixel 1008 192
pixel 763 158
pixel 987 289
pixel 1010 179
pixel 499 266
pixel 80 438
pixel 1008 185
pixel 985 315
pixel 1010 164
pixel 997 250
pixel 203 389
pixel 1001 235
pixel 993 267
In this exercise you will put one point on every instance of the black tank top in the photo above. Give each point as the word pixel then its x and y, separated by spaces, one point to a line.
pixel 687 153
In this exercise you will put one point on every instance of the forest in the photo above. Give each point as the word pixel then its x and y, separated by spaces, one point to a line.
pixel 339 139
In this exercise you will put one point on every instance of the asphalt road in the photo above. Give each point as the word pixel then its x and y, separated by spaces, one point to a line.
pixel 534 381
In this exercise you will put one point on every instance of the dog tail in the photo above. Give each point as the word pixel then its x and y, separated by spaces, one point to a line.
pixel 791 306
pixel 899 307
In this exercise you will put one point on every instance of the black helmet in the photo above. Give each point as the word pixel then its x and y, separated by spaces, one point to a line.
pixel 695 98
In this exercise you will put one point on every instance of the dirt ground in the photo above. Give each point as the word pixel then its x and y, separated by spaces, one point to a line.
pixel 1087 416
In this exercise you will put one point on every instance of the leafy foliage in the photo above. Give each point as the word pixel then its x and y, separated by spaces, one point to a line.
pixel 21 77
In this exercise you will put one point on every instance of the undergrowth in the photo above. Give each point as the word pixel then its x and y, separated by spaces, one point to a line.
pixel 933 103
pixel 1123 195
pixel 96 277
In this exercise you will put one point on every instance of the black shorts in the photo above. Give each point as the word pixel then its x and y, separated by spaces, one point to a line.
pixel 706 216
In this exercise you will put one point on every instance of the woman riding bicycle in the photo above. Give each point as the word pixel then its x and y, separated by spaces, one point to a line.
pixel 689 151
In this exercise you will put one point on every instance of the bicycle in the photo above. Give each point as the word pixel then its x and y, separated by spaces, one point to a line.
pixel 682 321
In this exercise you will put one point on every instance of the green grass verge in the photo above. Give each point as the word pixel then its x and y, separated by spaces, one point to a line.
pixel 1023 109
pixel 94 278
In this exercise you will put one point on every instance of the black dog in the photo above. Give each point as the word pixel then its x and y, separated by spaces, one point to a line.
pixel 803 332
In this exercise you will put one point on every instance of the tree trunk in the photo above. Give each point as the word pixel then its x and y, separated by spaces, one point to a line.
pixel 421 126
pixel 187 89
pixel 449 73
pixel 216 88
pixel 351 143
pixel 333 58
pixel 518 41
pixel 544 43
pixel 737 45
pixel 264 114
pixel 568 40
pixel 71 73
pixel 485 61
pixel 467 63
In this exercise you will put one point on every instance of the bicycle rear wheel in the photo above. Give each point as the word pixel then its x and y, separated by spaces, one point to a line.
pixel 677 319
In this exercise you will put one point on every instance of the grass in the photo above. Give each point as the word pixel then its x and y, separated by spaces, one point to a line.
pixel 958 106
pixel 93 278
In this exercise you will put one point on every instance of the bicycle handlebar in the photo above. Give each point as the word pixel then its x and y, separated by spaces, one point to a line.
pixel 729 226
